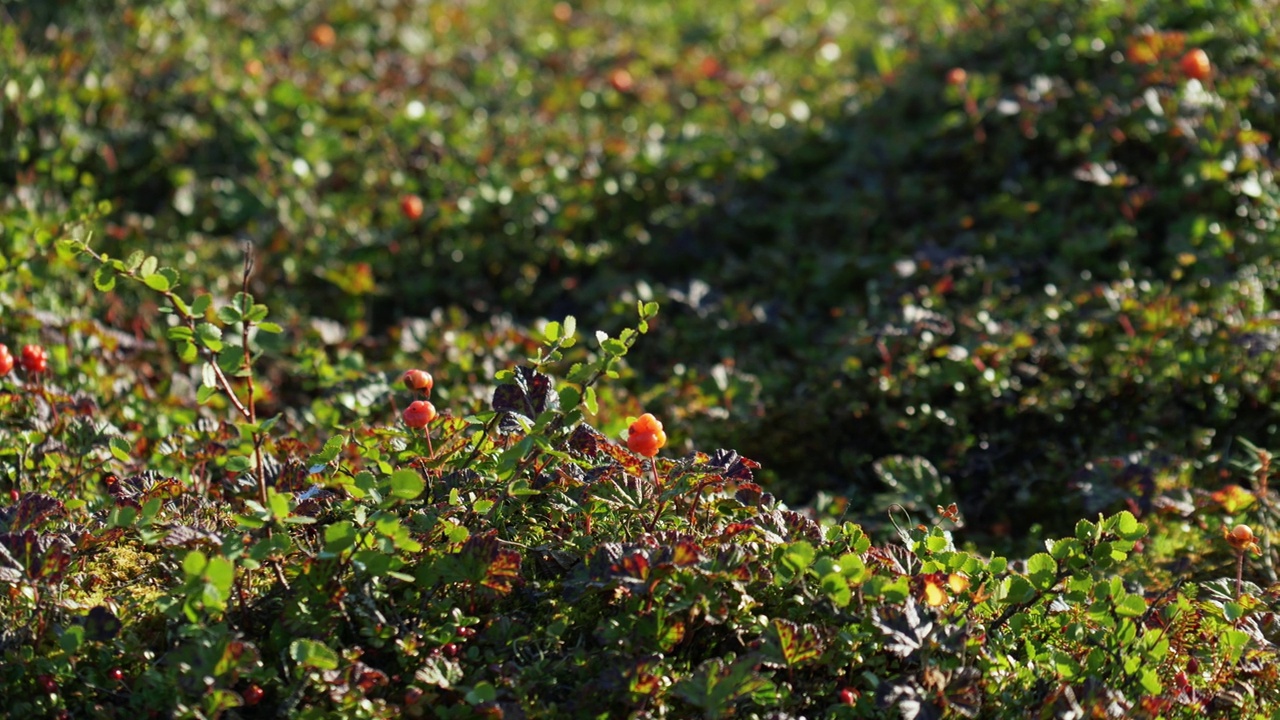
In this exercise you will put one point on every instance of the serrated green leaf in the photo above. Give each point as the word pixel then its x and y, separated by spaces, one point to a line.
pixel 1042 570
pixel 590 401
pixel 120 449
pixel 407 484
pixel 310 653
pixel 1131 606
pixel 230 315
pixel 570 326
pixel 329 453
pixel 148 267
pixel 210 336
pixel 552 332
pixel 134 261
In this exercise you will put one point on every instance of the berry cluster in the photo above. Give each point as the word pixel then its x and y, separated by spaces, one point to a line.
pixel 33 359
pixel 420 413
pixel 645 436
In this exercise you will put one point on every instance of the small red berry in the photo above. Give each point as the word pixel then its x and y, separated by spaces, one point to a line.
pixel 466 633
pixel 957 76
pixel 848 696
pixel 1195 64
pixel 419 380
pixel 47 683
pixel 621 80
pixel 253 695
pixel 450 650
pixel 411 206
pixel 419 414
pixel 14 495
pixel 34 359
pixel 115 674
pixel 324 35
pixel 6 360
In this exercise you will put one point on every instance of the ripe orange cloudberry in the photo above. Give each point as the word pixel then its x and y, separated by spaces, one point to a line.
pixel 419 414
pixel 645 436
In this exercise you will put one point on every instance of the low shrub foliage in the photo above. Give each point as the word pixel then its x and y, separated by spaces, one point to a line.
pixel 982 296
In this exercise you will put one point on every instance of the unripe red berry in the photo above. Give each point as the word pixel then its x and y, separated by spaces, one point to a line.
pixel 47 683
pixel 253 695
pixel 848 696
pixel 957 76
pixel 419 414
pixel 6 360
pixel 1195 64
pixel 115 674
pixel 14 495
pixel 420 380
pixel 411 206
pixel 34 359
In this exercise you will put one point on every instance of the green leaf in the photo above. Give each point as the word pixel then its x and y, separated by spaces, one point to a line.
pixel 570 327
pixel 794 559
pixel 238 463
pixel 1042 571
pixel 1131 606
pixel 313 654
pixel 1128 527
pixel 148 266
pixel 590 401
pixel 835 586
pixel 104 278
pixel 270 327
pixel 407 484
pixel 221 573
pixel 121 449
pixel 157 282
pixel 483 692
pixel 193 564
pixel 230 314
pixel 552 332
pixel 210 336
pixel 200 305
pixel 329 453
pixel 204 394
pixel 71 639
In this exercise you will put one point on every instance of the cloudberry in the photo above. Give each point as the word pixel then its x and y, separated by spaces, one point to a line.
pixel 419 414
pixel 645 436
pixel 34 359
pixel 419 380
